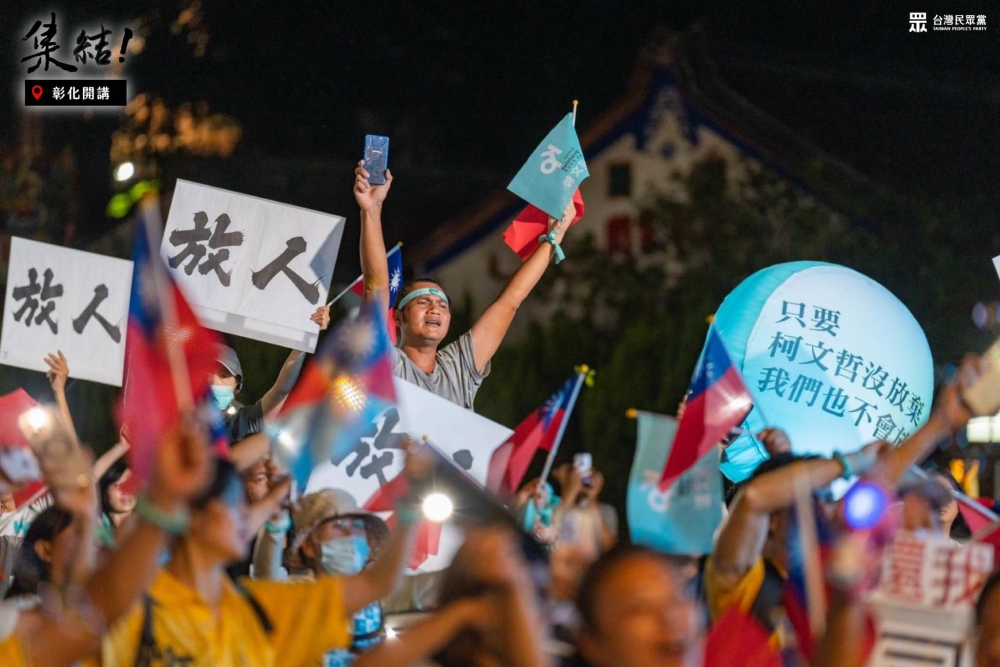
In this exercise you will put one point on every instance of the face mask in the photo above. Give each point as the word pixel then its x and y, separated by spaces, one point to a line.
pixel 223 396
pixel 344 555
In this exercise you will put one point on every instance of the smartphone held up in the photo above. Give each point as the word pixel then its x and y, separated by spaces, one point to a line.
pixel 376 158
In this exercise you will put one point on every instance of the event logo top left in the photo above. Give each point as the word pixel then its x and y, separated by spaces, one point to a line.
pixel 92 51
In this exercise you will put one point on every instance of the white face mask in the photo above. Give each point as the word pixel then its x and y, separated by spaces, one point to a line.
pixel 344 555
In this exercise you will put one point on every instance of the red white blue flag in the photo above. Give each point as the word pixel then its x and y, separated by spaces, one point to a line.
pixel 539 430
pixel 160 324
pixel 395 260
pixel 345 386
pixel 717 401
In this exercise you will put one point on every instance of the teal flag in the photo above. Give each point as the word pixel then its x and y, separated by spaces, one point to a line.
pixel 682 519
pixel 554 171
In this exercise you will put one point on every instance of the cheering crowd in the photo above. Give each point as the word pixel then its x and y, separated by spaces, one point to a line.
pixel 213 560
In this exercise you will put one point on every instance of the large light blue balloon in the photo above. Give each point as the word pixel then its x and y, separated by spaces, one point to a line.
pixel 831 357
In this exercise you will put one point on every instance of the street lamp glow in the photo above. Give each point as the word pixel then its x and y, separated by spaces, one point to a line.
pixel 124 171
pixel 438 507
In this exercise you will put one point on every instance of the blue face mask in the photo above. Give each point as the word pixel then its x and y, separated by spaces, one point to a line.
pixel 344 555
pixel 223 396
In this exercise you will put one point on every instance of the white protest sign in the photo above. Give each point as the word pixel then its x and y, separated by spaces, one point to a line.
pixel 461 434
pixel 908 636
pixel 924 602
pixel 250 266
pixel 69 300
pixel 934 573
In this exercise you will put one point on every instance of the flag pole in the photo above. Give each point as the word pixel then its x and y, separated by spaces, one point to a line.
pixel 175 354
pixel 347 289
pixel 813 568
pixel 575 102
pixel 580 379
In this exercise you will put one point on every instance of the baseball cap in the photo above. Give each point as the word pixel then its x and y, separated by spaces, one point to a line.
pixel 229 360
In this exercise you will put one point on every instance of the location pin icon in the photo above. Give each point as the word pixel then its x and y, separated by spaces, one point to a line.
pixel 36 92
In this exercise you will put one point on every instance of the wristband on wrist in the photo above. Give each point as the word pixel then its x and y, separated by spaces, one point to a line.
pixel 842 460
pixel 280 527
pixel 550 238
pixel 172 524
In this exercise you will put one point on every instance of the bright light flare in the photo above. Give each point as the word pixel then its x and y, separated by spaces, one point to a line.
pixel 37 418
pixel 438 507
pixel 347 395
pixel 124 171
pixel 864 505
pixel 286 440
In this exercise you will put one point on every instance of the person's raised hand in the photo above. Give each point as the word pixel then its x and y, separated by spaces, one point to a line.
pixel 183 466
pixel 368 196
pixel 573 487
pixel 525 493
pixel 596 486
pixel 866 458
pixel 58 371
pixel 950 404
pixel 562 224
pixel 321 317
pixel 561 474
pixel 775 441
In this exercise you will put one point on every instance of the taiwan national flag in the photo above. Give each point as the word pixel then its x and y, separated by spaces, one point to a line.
pixel 395 260
pixel 718 400
pixel 160 324
pixel 510 461
pixel 345 386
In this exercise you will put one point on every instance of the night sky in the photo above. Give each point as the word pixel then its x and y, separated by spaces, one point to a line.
pixel 466 93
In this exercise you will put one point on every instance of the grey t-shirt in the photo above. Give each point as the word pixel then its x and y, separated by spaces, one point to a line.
pixel 455 376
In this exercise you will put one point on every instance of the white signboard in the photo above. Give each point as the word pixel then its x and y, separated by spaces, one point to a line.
pixel 250 266
pixel 69 300
pixel 924 602
pixel 462 434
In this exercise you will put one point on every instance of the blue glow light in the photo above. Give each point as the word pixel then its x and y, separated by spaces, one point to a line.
pixel 864 505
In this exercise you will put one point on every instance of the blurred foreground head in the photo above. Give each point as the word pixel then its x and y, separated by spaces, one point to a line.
pixel 489 566
pixel 988 623
pixel 638 612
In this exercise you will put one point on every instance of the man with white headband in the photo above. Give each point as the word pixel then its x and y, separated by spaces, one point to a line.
pixel 423 310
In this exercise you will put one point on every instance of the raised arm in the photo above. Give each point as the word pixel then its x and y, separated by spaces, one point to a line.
pixel 374 266
pixel 489 330
pixel 741 540
pixel 58 373
pixel 182 470
pixel 949 414
pixel 379 580
pixel 289 373
pixel 275 397
pixel 108 458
